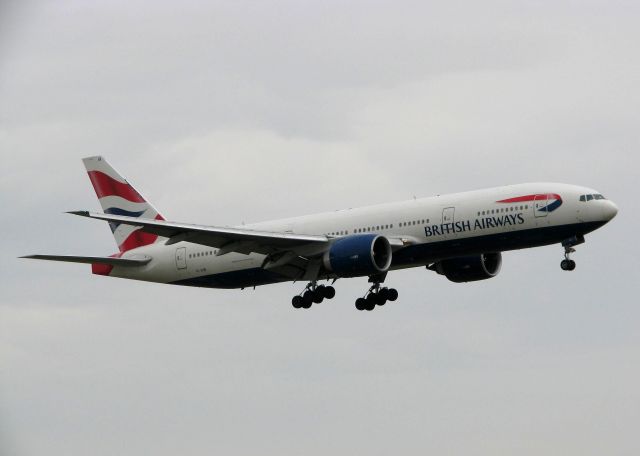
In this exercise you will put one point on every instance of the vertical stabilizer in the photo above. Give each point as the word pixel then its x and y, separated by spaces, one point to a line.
pixel 118 197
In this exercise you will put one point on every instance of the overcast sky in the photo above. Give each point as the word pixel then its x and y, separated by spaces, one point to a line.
pixel 228 111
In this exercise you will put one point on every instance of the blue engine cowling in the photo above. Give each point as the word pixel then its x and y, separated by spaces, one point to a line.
pixel 471 268
pixel 359 255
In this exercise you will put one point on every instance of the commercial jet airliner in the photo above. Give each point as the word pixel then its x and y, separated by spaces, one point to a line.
pixel 460 236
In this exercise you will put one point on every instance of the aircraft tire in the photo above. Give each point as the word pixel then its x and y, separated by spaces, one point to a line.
pixel 297 302
pixel 308 299
pixel 329 292
pixel 318 296
pixel 371 302
pixel 392 294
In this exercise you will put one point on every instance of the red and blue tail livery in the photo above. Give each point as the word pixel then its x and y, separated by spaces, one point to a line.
pixel 119 197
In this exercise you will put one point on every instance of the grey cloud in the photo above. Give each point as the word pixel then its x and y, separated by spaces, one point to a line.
pixel 243 111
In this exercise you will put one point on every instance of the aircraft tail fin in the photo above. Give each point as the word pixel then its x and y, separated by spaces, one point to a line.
pixel 118 197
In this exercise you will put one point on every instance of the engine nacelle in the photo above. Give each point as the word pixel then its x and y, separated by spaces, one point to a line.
pixel 359 255
pixel 471 268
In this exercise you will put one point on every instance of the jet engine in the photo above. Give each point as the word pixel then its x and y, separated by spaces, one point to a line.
pixel 470 268
pixel 358 255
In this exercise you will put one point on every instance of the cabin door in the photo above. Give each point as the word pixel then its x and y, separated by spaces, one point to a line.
pixel 540 204
pixel 448 215
pixel 181 258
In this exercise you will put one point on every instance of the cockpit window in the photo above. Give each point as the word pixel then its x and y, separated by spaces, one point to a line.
pixel 584 198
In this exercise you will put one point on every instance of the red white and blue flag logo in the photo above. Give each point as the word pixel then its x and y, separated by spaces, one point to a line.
pixel 544 203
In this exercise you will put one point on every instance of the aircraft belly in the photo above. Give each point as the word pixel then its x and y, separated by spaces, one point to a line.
pixel 430 252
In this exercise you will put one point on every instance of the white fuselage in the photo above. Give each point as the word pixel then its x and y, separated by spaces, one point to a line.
pixel 429 229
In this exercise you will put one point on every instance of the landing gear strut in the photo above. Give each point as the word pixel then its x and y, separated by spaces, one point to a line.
pixel 313 294
pixel 376 296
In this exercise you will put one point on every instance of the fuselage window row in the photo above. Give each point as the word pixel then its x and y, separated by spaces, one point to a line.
pixel 503 209
pixel 202 254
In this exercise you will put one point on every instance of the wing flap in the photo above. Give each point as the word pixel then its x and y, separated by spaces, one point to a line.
pixel 126 262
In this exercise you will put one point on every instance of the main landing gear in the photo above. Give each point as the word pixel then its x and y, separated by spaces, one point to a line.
pixel 313 294
pixel 376 296
pixel 568 264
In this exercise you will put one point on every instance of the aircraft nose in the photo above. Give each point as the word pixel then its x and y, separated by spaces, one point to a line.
pixel 609 210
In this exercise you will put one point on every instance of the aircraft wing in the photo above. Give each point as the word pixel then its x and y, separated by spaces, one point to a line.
pixel 225 239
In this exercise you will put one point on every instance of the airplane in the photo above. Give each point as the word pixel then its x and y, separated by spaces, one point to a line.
pixel 459 236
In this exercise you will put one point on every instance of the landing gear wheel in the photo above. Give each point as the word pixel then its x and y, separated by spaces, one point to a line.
pixel 379 299
pixel 568 265
pixel 318 296
pixel 297 302
pixel 307 298
pixel 371 302
pixel 392 294
pixel 329 292
pixel 361 303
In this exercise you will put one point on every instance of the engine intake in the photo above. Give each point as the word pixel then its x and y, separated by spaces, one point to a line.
pixel 359 255
pixel 471 268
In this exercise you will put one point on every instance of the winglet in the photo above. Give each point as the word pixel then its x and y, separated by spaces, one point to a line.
pixel 80 213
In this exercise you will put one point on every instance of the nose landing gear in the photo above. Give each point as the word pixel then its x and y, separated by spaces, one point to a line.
pixel 568 264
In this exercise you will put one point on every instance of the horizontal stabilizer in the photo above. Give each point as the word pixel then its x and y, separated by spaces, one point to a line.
pixel 93 260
